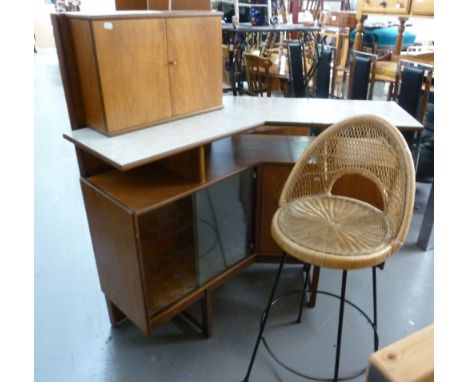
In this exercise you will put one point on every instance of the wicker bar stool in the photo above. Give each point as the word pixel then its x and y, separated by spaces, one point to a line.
pixel 327 230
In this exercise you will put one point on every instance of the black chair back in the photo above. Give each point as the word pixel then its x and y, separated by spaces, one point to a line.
pixel 322 89
pixel 360 78
pixel 409 98
pixel 296 71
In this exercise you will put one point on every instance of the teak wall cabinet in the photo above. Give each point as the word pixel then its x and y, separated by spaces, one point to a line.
pixel 138 70
pixel 163 5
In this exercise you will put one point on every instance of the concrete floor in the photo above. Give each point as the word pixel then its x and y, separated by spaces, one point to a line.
pixel 73 338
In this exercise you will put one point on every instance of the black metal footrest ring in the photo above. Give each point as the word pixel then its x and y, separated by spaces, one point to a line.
pixel 313 378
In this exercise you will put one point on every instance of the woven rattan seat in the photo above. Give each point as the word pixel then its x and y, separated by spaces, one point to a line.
pixel 333 232
pixel 339 232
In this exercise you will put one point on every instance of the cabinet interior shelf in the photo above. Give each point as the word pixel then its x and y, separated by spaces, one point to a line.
pixel 151 186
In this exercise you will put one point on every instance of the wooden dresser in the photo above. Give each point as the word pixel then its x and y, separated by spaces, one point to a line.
pixel 401 8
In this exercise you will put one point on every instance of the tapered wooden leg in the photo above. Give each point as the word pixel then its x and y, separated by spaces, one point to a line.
pixel 207 314
pixel 314 286
pixel 115 314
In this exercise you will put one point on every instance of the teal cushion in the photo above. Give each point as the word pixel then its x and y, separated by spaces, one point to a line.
pixel 384 37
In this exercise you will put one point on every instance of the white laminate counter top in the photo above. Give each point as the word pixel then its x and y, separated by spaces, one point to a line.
pixel 239 114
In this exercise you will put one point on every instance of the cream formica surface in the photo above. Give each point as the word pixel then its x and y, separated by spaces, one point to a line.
pixel 239 114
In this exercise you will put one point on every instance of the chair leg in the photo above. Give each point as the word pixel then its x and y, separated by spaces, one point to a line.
pixel 314 286
pixel 390 90
pixel 303 295
pixel 265 318
pixel 340 325
pixel 374 290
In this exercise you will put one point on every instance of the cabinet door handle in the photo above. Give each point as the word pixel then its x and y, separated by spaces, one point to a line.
pixel 172 62
pixel 383 3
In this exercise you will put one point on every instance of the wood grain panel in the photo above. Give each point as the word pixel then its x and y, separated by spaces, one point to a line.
pixel 167 247
pixel 358 187
pixel 397 7
pixel 87 73
pixel 180 5
pixel 410 359
pixel 160 5
pixel 204 5
pixel 271 182
pixel 117 258
pixel 422 7
pixel 132 59
pixel 282 130
pixel 196 71
pixel 189 164
pixel 68 69
pixel 127 5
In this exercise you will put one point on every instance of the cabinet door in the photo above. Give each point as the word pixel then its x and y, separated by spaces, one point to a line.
pixel 194 46
pixel 422 7
pixel 385 6
pixel 271 183
pixel 132 61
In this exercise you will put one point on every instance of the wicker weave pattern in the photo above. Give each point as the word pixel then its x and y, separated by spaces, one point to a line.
pixel 342 232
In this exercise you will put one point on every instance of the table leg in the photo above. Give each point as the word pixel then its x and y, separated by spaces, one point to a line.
pixel 427 226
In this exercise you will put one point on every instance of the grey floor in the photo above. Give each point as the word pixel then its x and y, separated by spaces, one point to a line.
pixel 73 338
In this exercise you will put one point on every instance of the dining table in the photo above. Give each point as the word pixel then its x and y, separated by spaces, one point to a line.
pixel 246 37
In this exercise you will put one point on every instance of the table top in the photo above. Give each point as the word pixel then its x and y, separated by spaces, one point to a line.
pixel 246 27
pixel 239 114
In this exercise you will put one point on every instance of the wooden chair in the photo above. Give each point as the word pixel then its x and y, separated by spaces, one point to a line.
pixel 413 83
pixel 317 226
pixel 297 86
pixel 361 75
pixel 257 69
pixel 323 73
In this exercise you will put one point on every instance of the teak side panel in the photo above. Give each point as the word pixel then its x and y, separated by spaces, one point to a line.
pixel 271 183
pixel 114 243
pixel 180 5
pixel 128 5
pixel 68 69
pixel 87 73
pixel 133 67
pixel 195 69
pixel 158 5
pixel 422 7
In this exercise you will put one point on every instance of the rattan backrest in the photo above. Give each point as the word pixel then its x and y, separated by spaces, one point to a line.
pixel 256 69
pixel 365 145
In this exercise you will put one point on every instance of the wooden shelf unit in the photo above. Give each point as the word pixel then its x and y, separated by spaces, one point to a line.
pixel 142 223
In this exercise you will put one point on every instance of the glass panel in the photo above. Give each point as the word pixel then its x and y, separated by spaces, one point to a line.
pixel 222 225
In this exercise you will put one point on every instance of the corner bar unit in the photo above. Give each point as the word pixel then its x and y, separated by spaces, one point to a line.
pixel 172 219
pixel 178 208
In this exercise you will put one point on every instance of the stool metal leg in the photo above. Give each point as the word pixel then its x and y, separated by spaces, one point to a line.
pixel 374 290
pixel 303 295
pixel 265 317
pixel 340 325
